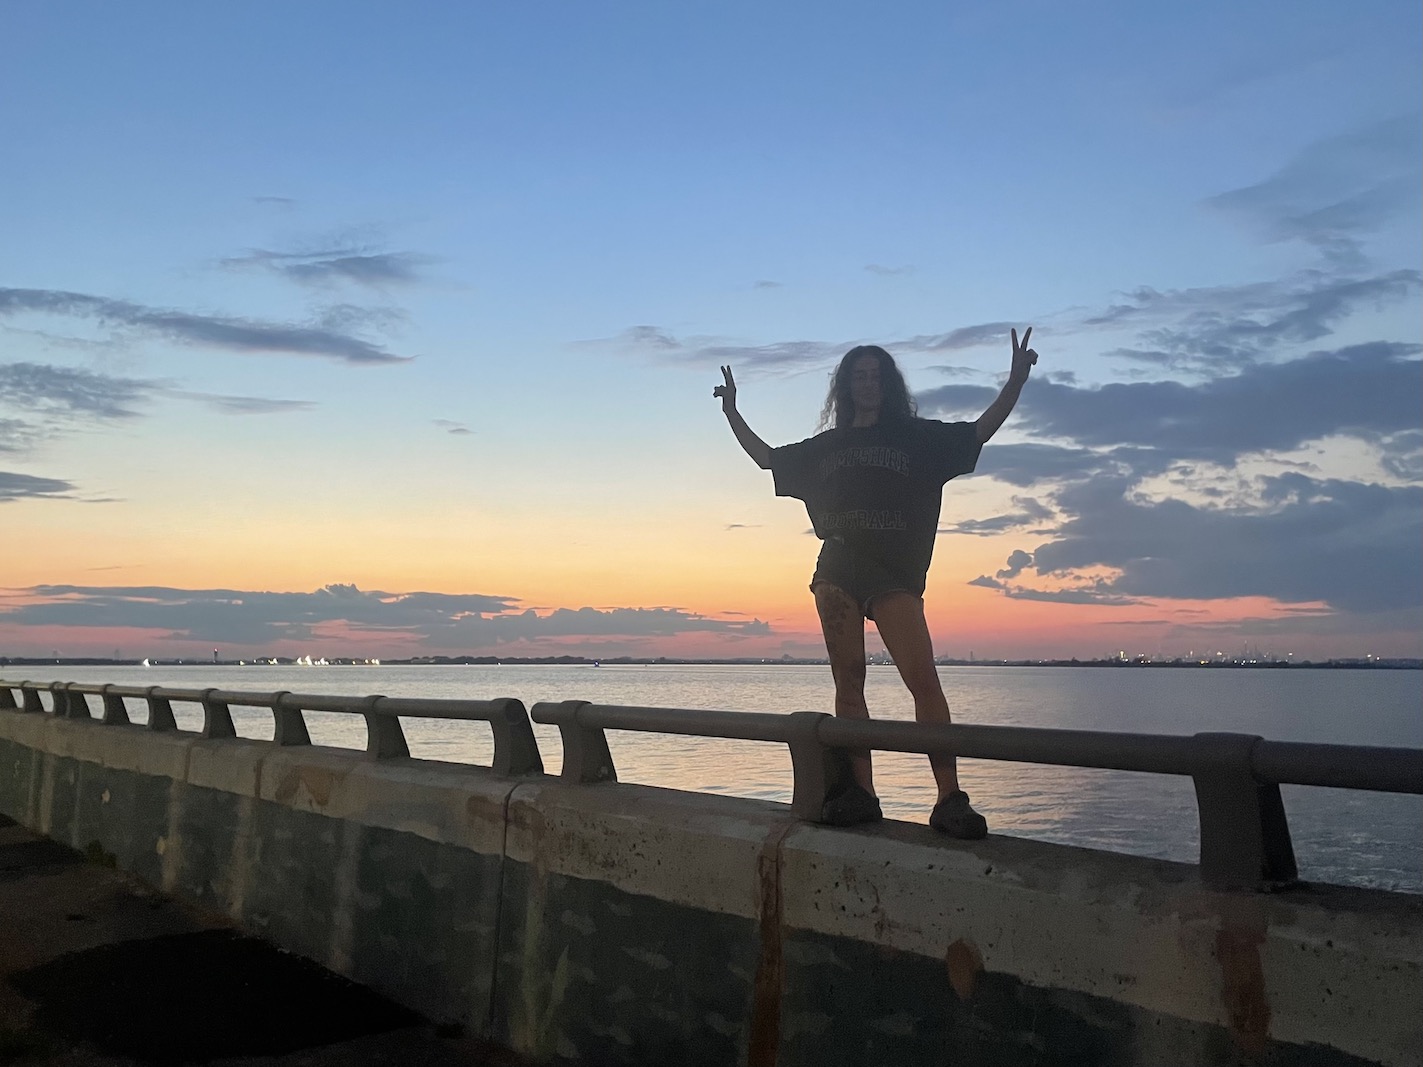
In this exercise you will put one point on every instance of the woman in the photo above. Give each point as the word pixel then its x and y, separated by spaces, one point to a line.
pixel 872 484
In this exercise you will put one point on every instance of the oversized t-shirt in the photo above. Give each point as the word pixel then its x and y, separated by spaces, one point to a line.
pixel 878 488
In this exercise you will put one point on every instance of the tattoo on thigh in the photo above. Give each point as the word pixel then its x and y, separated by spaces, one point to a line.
pixel 839 612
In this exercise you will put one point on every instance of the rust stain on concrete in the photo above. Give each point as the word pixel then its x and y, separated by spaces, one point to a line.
pixel 765 1039
pixel 1237 949
pixel 317 781
pixel 480 811
pixel 965 964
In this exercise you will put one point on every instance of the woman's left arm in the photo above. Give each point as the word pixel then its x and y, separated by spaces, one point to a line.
pixel 1024 358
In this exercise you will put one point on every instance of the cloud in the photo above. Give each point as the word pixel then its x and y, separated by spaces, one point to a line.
pixel 210 331
pixel 20 486
pixel 766 283
pixel 49 389
pixel 1401 454
pixel 335 266
pixel 792 354
pixel 1313 623
pixel 58 399
pixel 55 399
pixel 16 435
pixel 1016 562
pixel 658 343
pixel 245 405
pixel 1102 597
pixel 1352 545
pixel 1368 389
pixel 260 618
pixel 1030 464
pixel 985 333
pixel 888 272
pixel 1335 190
pixel 1224 530
pixel 1029 513
pixel 1096 593
pixel 450 426
pixel 1207 330
pixel 1199 332
pixel 650 337
pixel 951 371
pixel 743 526
pixel 349 318
pixel 614 622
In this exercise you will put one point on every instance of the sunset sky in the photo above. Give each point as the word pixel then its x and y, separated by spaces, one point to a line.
pixel 376 329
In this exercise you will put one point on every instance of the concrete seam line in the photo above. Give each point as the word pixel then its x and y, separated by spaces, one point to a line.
pixel 499 909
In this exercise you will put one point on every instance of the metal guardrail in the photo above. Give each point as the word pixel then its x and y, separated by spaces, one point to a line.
pixel 515 751
pixel 1245 836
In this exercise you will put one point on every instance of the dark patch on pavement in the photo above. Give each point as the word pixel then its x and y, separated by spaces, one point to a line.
pixel 193 997
pixel 20 859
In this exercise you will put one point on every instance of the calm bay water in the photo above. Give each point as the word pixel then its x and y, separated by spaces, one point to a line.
pixel 1341 836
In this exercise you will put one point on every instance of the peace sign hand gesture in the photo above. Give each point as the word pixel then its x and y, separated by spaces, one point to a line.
pixel 727 391
pixel 1024 358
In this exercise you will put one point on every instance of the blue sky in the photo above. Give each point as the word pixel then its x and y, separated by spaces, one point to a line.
pixel 427 301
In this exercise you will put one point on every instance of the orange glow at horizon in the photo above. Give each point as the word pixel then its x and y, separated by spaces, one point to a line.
pixel 682 561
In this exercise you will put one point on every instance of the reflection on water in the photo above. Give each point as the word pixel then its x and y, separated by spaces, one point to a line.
pixel 1339 835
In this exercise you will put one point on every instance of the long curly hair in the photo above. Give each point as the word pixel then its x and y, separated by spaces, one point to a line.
pixel 895 401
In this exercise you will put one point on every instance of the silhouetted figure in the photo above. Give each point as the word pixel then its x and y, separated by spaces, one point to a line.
pixel 872 484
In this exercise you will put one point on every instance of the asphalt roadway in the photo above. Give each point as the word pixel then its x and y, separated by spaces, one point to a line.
pixel 97 970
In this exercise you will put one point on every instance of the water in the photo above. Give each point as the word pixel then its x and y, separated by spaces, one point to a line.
pixel 1340 836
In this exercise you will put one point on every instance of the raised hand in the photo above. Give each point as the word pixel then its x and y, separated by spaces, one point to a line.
pixel 726 391
pixel 1024 358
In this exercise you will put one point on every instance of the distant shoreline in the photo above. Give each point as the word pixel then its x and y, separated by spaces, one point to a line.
pixel 668 661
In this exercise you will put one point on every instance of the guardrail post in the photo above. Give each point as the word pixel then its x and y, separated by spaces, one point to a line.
pixel 160 711
pixel 515 750
pixel 7 699
pixel 384 737
pixel 32 698
pixel 288 724
pixel 76 706
pixel 217 717
pixel 1245 837
pixel 115 711
pixel 586 758
pixel 818 771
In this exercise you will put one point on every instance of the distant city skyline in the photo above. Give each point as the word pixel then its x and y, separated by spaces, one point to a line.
pixel 343 329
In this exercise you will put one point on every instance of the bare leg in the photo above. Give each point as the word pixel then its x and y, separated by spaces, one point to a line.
pixel 844 629
pixel 900 619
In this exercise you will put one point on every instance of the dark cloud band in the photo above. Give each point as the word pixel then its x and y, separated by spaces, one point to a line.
pixel 19 486
pixel 257 618
pixel 237 335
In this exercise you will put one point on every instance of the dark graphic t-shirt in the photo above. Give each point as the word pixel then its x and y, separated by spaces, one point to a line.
pixel 878 488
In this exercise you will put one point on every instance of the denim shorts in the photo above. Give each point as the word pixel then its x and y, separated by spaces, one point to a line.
pixel 861 576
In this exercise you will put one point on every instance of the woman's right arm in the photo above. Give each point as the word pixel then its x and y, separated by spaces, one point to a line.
pixel 757 449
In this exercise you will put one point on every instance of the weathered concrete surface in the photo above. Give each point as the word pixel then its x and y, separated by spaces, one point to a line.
pixel 895 945
pixel 628 925
pixel 99 970
pixel 1122 959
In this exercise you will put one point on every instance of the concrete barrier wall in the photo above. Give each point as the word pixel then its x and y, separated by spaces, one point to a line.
pixel 620 924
